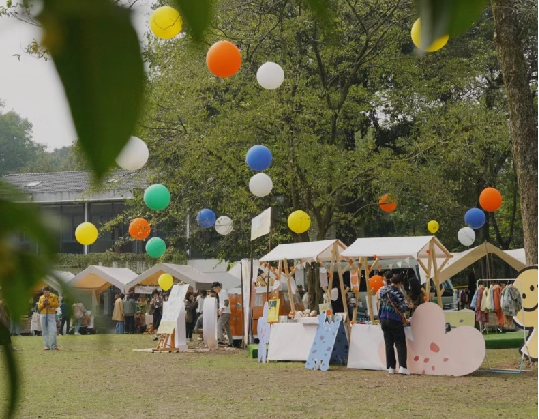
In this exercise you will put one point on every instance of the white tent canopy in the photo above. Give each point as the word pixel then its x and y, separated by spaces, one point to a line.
pixel 518 254
pixel 461 261
pixel 59 278
pixel 394 248
pixel 318 251
pixel 97 277
pixel 185 273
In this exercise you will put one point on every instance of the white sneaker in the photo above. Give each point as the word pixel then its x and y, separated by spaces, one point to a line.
pixel 76 333
pixel 404 371
pixel 391 370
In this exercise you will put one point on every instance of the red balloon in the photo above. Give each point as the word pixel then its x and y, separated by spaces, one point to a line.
pixel 376 282
pixel 139 229
pixel 223 59
pixel 490 199
pixel 387 203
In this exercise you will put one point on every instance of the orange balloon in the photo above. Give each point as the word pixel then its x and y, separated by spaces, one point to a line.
pixel 139 229
pixel 387 203
pixel 223 59
pixel 490 199
pixel 376 282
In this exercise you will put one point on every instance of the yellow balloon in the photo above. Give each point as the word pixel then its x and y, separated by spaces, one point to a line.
pixel 299 221
pixel 433 226
pixel 165 22
pixel 416 38
pixel 86 233
pixel 165 281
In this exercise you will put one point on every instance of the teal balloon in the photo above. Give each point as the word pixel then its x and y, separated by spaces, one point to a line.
pixel 157 197
pixel 156 247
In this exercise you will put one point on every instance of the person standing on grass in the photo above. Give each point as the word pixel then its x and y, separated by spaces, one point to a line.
pixel 47 305
pixel 156 309
pixel 392 309
pixel 200 313
pixel 66 317
pixel 129 313
pixel 224 314
pixel 118 314
pixel 190 306
pixel 80 313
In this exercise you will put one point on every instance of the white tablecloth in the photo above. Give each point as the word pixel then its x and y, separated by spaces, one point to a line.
pixel 291 341
pixel 365 343
pixel 366 346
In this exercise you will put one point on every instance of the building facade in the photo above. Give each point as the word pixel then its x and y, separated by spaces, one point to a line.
pixel 71 200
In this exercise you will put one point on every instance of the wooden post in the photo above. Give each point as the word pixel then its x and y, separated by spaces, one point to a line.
pixel 330 277
pixel 369 298
pixel 336 253
pixel 279 272
pixel 289 280
pixel 432 255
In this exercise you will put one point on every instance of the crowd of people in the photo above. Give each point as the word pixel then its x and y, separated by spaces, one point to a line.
pixel 126 308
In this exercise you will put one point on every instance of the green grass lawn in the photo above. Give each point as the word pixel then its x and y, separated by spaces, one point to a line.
pixel 102 377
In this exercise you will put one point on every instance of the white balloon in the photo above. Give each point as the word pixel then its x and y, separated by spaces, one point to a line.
pixel 260 185
pixel 134 155
pixel 270 75
pixel 466 236
pixel 224 225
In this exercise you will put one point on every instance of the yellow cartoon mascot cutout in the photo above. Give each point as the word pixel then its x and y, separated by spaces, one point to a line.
pixel 527 283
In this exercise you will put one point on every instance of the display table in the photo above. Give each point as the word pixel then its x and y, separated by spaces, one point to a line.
pixel 291 341
pixel 460 318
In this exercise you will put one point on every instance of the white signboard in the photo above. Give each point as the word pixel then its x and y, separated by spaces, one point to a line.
pixel 171 309
pixel 261 224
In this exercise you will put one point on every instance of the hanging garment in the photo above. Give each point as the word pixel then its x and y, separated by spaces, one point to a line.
pixel 480 316
pixel 496 296
pixel 474 300
pixel 512 301
pixel 491 305
pixel 485 301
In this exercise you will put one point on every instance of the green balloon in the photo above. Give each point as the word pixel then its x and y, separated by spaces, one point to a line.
pixel 157 197
pixel 155 247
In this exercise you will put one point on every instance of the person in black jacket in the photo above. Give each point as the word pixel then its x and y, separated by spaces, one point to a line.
pixel 190 307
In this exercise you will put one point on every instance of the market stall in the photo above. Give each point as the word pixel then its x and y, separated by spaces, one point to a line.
pixel 428 251
pixel 96 279
pixel 292 341
pixel 185 273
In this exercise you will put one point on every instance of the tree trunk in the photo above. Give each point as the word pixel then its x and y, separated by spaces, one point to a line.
pixel 312 271
pixel 522 117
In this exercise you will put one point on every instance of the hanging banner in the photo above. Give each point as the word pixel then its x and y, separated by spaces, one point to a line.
pixel 261 224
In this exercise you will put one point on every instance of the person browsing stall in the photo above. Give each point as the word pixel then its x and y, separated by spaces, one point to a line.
pixel 224 314
pixel 392 309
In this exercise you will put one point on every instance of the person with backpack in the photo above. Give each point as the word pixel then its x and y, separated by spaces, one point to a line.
pixel 392 309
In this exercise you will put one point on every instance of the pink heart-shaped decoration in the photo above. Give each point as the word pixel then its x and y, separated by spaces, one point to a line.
pixel 434 352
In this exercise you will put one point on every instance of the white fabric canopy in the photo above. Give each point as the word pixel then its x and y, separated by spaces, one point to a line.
pixel 185 273
pixel 394 248
pixel 318 251
pixel 461 261
pixel 57 276
pixel 518 254
pixel 97 277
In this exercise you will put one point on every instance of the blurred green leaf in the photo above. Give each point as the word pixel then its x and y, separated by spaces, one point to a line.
pixel 20 269
pixel 97 55
pixel 11 371
pixel 197 15
pixel 443 17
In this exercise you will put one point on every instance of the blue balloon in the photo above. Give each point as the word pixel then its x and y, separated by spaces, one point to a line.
pixel 475 218
pixel 206 218
pixel 258 158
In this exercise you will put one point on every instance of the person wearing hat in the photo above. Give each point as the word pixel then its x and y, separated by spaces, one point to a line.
pixel 47 305
pixel 224 314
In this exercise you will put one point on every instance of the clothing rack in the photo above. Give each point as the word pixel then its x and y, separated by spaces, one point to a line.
pixel 492 320
pixel 524 337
